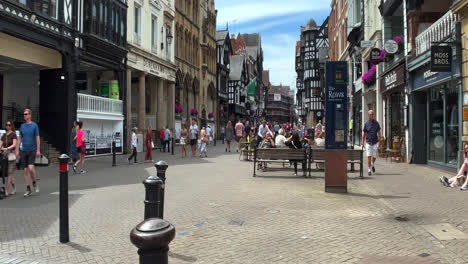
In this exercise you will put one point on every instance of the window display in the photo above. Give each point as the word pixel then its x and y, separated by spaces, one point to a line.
pixel 436 124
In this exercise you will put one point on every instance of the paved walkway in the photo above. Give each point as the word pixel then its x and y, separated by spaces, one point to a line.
pixel 224 215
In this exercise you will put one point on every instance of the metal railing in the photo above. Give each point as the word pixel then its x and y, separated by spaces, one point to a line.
pixel 97 104
pixel 438 31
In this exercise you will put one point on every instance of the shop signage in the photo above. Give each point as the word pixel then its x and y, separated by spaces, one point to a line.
pixel 367 43
pixel 393 79
pixel 425 77
pixel 441 58
pixel 336 105
pixel 465 114
pixel 375 56
pixel 391 46
pixel 277 97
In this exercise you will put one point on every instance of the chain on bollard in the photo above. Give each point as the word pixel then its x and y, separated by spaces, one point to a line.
pixel 63 209
pixel 152 238
pixel 161 167
pixel 114 152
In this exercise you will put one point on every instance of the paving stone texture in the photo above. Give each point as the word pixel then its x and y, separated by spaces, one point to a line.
pixel 224 215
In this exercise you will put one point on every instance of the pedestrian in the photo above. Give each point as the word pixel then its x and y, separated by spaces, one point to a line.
pixel 134 146
pixel 370 141
pixel 247 131
pixel 209 132
pixel 460 177
pixel 262 131
pixel 30 143
pixel 229 136
pixel 276 127
pixel 193 130
pixel 149 146
pixel 162 147
pixel 204 141
pixel 223 134
pixel 239 128
pixel 9 141
pixel 167 138
pixel 319 140
pixel 182 140
pixel 318 127
pixel 73 151
pixel 294 142
pixel 80 147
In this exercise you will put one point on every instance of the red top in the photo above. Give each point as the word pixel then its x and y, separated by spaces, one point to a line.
pixel 161 134
pixel 79 137
pixel 148 137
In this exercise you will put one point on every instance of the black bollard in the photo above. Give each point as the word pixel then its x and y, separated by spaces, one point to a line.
pixel 161 167
pixel 153 187
pixel 63 210
pixel 114 151
pixel 152 238
pixel 173 143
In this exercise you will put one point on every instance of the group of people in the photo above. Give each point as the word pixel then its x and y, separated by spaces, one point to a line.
pixel 25 149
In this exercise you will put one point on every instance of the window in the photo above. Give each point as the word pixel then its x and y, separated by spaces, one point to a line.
pixel 137 25
pixel 154 34
pixel 168 46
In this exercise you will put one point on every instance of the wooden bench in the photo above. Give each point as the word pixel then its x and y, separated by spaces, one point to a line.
pixel 281 155
pixel 354 156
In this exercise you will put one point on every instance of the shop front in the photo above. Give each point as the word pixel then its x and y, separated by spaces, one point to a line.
pixel 395 120
pixel 436 117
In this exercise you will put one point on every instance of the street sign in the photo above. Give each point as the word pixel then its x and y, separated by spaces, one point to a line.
pixel 336 105
pixel 367 43
pixel 441 58
pixel 391 46
pixel 375 56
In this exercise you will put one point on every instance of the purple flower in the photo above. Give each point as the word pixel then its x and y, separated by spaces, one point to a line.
pixel 194 111
pixel 178 109
pixel 210 115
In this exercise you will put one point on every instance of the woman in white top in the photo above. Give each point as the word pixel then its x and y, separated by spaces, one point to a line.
pixel 454 181
pixel 204 140
pixel 319 140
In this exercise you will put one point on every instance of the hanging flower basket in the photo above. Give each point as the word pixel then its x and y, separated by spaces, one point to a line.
pixel 210 115
pixel 400 41
pixel 178 109
pixel 369 78
pixel 194 112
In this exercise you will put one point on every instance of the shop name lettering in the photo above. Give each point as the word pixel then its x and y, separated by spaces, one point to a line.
pixel 391 78
pixel 334 94
pixel 429 74
pixel 153 66
pixel 441 58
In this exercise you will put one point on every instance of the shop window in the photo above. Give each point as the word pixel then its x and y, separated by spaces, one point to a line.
pixel 452 138
pixel 154 34
pixel 137 25
pixel 436 124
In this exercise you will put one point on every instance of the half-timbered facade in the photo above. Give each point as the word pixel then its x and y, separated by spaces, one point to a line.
pixel 223 58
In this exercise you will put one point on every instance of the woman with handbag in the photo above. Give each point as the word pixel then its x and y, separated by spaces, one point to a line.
pixel 9 141
pixel 149 146
pixel 204 141
pixel 183 138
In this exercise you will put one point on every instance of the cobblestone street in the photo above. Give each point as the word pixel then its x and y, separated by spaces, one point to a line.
pixel 224 215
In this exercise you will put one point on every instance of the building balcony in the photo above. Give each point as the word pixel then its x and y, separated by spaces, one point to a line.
pixel 437 32
pixel 96 107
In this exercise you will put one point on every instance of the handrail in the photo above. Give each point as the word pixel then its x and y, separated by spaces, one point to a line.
pixel 438 31
pixel 97 104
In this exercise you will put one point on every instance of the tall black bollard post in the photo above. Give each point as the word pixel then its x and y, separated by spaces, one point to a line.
pixel 153 187
pixel 63 210
pixel 161 167
pixel 173 143
pixel 152 238
pixel 114 151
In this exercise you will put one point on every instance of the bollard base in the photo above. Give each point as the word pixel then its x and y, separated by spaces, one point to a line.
pixel 159 256
pixel 336 189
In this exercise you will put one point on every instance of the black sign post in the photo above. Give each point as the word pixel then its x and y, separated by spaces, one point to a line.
pixel 336 102
pixel 441 58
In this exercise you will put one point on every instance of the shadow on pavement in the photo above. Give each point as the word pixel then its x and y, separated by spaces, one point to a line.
pixel 376 196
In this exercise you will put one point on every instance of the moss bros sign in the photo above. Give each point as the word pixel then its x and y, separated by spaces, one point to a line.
pixel 441 58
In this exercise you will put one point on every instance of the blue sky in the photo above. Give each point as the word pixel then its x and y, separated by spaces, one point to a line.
pixel 279 23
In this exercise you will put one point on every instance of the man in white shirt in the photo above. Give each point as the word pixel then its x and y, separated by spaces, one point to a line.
pixel 167 138
pixel 262 130
pixel 210 136
pixel 134 146
pixel 193 130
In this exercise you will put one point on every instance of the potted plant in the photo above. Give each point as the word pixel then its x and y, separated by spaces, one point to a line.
pixel 210 115
pixel 178 109
pixel 369 78
pixel 396 142
pixel 194 112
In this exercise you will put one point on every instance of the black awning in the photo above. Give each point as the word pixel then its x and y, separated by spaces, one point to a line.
pixel 355 36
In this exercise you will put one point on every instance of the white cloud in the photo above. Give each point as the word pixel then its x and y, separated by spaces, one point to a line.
pixel 241 12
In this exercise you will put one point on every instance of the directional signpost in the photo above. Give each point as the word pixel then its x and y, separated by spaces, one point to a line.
pixel 336 129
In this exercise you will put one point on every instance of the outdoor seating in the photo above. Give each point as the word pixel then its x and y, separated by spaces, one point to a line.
pixel 281 155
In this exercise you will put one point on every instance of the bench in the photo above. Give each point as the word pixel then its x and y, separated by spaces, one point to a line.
pixel 281 155
pixel 353 156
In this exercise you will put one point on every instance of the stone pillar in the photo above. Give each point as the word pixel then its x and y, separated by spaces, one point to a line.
pixel 129 108
pixel 154 102
pixel 171 106
pixel 141 102
pixel 160 116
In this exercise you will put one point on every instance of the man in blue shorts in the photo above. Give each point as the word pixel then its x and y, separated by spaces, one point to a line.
pixel 29 142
